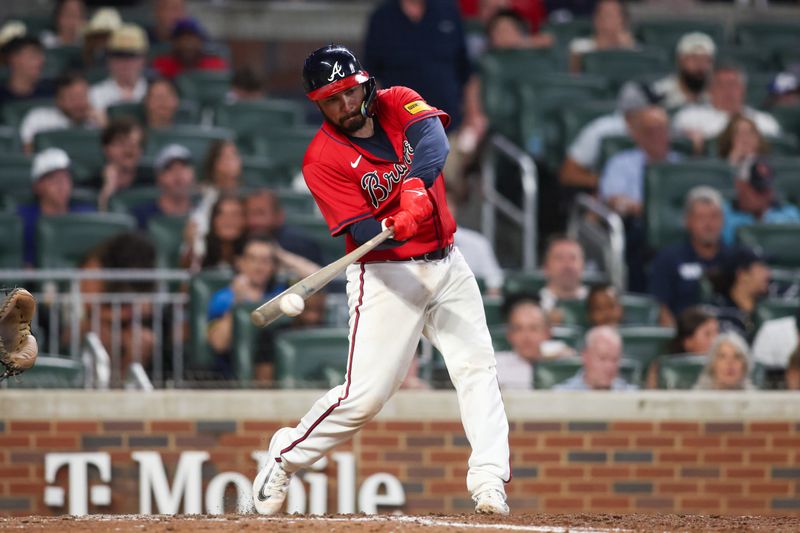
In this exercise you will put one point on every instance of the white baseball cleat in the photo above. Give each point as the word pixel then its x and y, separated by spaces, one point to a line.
pixel 271 483
pixel 491 501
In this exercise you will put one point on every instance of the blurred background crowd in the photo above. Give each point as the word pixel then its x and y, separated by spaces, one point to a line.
pixel 627 190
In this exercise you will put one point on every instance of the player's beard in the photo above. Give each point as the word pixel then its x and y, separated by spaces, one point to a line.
pixel 352 123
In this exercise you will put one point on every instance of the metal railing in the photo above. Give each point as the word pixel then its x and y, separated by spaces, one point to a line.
pixel 601 233
pixel 129 329
pixel 493 201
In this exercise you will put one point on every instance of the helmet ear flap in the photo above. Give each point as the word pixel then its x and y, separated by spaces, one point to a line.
pixel 370 90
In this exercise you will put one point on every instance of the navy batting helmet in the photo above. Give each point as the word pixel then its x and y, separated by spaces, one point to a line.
pixel 334 68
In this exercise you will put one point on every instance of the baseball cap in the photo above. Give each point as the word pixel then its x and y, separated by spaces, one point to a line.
pixel 171 153
pixel 634 96
pixel 703 193
pixel 188 25
pixel 759 174
pixel 128 39
pixel 696 43
pixel 48 161
pixel 784 83
pixel 13 29
pixel 105 20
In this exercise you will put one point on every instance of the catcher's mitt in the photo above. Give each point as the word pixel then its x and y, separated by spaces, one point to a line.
pixel 18 348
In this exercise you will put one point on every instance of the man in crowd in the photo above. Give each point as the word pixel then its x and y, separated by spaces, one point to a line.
pixel 52 186
pixel 175 179
pixel 601 357
pixel 701 122
pixel 678 269
pixel 166 13
pixel 72 110
pixel 24 57
pixel 756 202
pixel 188 40
pixel 563 269
pixel 127 51
pixel 528 333
pixel 695 60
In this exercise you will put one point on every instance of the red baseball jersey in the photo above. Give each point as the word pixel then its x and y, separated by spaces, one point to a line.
pixel 351 184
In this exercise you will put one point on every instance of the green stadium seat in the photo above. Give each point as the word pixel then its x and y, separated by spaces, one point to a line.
pixel 16 179
pixel 499 341
pixel 523 282
pixel 773 308
pixel 206 87
pixel 572 336
pixel 187 114
pixel 82 145
pixel 665 33
pixel 787 177
pixel 577 115
pixel 261 172
pixel 757 88
pixel 680 372
pixel 645 343
pixel 768 34
pixel 9 140
pixel 573 313
pixel 245 341
pixel 548 373
pixel 639 310
pixel 249 119
pixel 166 232
pixel 789 119
pixel 755 60
pixel 201 287
pixel 666 186
pixel 619 66
pixel 63 241
pixel 296 201
pixel 492 309
pixel 311 357
pixel 779 242
pixel 51 372
pixel 11 250
pixel 128 199
pixel 14 112
pixel 784 146
pixel 564 32
pixel 285 147
pixel 197 140
pixel 62 58
pixel 315 228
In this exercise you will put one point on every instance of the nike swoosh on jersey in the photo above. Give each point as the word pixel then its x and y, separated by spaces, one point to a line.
pixel 355 163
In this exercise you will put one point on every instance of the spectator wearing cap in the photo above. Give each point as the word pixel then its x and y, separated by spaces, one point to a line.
pixel 784 90
pixel 622 183
pixel 188 39
pixel 581 165
pixel 69 18
pixel 701 122
pixel 175 180
pixel 695 59
pixel 610 32
pixel 601 357
pixel 678 269
pixel 102 25
pixel 127 49
pixel 776 340
pixel 52 187
pixel 24 56
pixel 122 147
pixel 72 110
pixel 165 14
pixel 739 282
pixel 756 201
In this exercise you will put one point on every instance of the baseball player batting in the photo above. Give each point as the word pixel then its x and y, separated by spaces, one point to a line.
pixel 377 162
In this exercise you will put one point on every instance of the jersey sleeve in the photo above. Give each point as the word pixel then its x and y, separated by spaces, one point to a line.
pixel 405 107
pixel 339 199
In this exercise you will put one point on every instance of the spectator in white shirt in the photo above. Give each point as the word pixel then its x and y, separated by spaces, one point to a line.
pixel 581 165
pixel 611 31
pixel 563 269
pixel 701 122
pixel 528 333
pixel 695 60
pixel 72 110
pixel 126 61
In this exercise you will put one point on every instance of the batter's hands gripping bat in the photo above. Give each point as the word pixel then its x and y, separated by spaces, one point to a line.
pixel 270 311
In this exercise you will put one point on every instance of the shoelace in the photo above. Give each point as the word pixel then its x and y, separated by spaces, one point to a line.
pixel 279 482
pixel 491 493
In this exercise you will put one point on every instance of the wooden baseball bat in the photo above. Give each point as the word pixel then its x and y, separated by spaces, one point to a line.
pixel 270 311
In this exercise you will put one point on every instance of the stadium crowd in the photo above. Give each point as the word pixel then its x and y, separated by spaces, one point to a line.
pixel 688 134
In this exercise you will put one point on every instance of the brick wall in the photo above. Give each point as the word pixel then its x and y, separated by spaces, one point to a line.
pixel 749 467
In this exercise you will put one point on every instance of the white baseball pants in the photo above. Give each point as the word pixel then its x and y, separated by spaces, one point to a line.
pixel 391 305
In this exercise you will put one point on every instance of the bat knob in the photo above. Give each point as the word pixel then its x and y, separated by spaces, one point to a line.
pixel 257 319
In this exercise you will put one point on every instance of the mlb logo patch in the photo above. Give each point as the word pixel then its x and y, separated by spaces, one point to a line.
pixel 416 107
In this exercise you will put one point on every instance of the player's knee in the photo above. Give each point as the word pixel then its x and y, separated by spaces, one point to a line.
pixel 366 407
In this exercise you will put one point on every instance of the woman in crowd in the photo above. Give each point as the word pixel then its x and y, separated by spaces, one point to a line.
pixel 225 237
pixel 695 332
pixel 160 104
pixel 740 143
pixel 739 284
pixel 728 365
pixel 69 18
pixel 611 31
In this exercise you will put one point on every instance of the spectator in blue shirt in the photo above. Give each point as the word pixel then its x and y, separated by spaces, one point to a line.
pixel 601 356
pixel 756 202
pixel 52 186
pixel 678 269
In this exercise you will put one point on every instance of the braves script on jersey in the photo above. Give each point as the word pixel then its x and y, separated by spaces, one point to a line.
pixel 351 184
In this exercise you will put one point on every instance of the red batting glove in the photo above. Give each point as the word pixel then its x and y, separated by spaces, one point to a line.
pixel 414 199
pixel 404 225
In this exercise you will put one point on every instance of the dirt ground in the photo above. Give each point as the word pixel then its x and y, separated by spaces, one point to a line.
pixel 545 523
